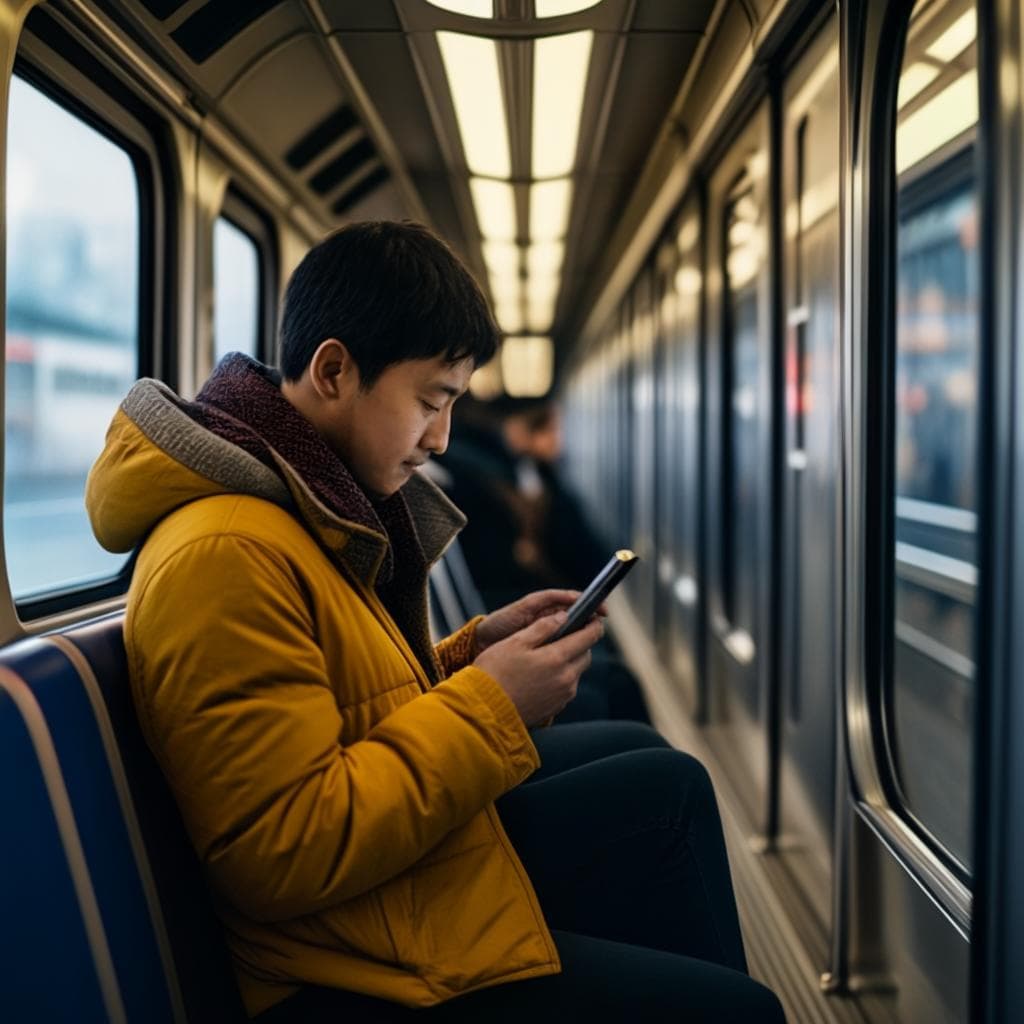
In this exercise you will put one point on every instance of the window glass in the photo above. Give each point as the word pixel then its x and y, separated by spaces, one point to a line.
pixel 72 333
pixel 236 299
pixel 741 427
pixel 934 557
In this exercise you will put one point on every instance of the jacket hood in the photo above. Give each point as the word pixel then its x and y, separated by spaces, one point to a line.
pixel 158 457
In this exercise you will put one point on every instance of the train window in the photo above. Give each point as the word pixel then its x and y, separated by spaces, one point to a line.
pixel 931 695
pixel 236 291
pixel 72 334
pixel 744 255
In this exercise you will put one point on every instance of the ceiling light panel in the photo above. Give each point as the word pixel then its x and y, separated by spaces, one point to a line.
pixel 942 118
pixel 474 8
pixel 913 80
pixel 495 205
pixel 549 209
pixel 956 38
pixel 502 257
pixel 527 366
pixel 544 258
pixel 509 316
pixel 471 64
pixel 560 66
pixel 553 8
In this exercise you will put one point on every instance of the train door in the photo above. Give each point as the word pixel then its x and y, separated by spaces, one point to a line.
pixel 810 552
pixel 685 483
pixel 739 457
pixel 913 514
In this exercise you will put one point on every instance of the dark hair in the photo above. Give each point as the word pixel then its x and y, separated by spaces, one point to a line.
pixel 390 292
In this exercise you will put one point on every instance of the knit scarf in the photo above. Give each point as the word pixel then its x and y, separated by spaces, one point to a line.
pixel 242 403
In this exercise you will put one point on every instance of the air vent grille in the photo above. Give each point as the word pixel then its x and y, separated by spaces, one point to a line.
pixel 213 25
pixel 361 189
pixel 340 168
pixel 329 130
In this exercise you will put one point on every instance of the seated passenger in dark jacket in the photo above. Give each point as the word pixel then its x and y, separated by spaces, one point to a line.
pixel 526 530
pixel 370 809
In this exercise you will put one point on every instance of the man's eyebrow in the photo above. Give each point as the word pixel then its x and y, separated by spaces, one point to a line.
pixel 447 389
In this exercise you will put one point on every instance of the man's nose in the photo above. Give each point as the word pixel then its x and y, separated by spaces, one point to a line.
pixel 435 438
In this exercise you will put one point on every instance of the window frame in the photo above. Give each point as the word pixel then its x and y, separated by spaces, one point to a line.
pixel 50 60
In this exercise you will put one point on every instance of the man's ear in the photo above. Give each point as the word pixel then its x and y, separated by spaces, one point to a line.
pixel 332 370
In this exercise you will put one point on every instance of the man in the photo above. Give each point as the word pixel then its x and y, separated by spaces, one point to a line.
pixel 338 774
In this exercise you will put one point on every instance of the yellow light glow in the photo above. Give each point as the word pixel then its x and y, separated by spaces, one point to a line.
pixel 527 366
pixel 502 257
pixel 540 314
pixel 471 64
pixel 956 38
pixel 549 209
pixel 474 8
pixel 495 207
pixel 942 118
pixel 509 316
pixel 688 281
pixel 913 80
pixel 544 258
pixel 559 77
pixel 486 383
pixel 507 289
pixel 553 8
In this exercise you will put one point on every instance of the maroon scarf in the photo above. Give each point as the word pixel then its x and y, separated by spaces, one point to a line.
pixel 242 403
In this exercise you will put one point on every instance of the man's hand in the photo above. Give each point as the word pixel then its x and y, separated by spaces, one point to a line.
pixel 522 613
pixel 540 679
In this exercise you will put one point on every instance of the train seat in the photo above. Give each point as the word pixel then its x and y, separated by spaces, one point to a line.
pixel 115 922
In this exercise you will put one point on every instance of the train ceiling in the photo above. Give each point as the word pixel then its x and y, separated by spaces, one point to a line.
pixel 357 105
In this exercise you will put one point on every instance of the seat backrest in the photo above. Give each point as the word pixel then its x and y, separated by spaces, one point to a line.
pixel 113 919
pixel 453 597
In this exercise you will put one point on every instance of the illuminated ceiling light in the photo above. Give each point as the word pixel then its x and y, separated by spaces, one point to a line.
pixel 559 77
pixel 507 289
pixel 509 316
pixel 549 209
pixel 540 314
pixel 471 64
pixel 502 257
pixel 474 8
pixel 913 80
pixel 553 8
pixel 527 366
pixel 495 206
pixel 688 281
pixel 956 38
pixel 486 383
pixel 542 287
pixel 942 118
pixel 544 258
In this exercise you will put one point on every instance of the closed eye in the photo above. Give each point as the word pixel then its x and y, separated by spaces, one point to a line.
pixel 432 408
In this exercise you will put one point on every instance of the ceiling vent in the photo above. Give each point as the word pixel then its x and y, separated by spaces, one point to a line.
pixel 203 33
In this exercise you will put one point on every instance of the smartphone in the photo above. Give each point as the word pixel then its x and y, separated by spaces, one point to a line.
pixel 584 607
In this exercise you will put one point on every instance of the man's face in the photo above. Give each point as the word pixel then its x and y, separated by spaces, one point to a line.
pixel 384 433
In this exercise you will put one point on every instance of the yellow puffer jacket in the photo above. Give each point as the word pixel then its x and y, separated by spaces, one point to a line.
pixel 342 808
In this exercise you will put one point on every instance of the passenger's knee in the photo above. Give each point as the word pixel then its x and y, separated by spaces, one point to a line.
pixel 765 1007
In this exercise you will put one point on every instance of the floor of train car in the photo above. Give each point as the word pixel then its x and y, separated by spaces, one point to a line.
pixel 770 916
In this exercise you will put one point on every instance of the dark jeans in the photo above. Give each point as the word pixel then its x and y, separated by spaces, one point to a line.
pixel 621 838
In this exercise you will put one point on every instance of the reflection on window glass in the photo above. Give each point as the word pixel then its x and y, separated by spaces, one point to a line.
pixel 236 298
pixel 741 469
pixel 936 422
pixel 72 334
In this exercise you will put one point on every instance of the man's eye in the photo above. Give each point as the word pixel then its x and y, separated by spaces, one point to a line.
pixel 432 408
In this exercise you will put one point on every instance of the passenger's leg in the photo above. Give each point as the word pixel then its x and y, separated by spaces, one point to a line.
pixel 600 981
pixel 562 747
pixel 630 848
